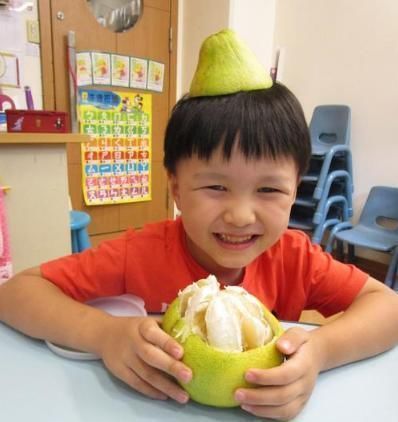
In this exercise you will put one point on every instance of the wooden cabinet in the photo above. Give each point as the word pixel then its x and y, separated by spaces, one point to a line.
pixel 34 166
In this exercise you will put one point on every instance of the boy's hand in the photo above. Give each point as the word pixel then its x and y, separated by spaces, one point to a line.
pixel 283 391
pixel 141 354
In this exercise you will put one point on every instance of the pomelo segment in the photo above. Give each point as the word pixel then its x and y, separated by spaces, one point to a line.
pixel 218 373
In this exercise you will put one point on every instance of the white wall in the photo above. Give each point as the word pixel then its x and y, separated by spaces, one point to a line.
pixel 346 52
pixel 197 20
pixel 254 21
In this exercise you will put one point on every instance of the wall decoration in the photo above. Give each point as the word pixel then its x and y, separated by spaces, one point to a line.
pixel 120 70
pixel 84 71
pixel 138 72
pixel 116 164
pixel 9 70
pixel 155 76
pixel 101 68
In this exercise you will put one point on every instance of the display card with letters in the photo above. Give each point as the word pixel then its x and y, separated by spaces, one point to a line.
pixel 116 163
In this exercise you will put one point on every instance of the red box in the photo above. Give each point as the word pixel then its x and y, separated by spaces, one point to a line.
pixel 37 121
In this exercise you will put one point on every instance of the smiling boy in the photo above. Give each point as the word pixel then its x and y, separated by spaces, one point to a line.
pixel 234 162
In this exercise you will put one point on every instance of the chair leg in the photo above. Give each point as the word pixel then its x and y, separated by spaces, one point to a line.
pixel 83 239
pixel 75 242
pixel 351 253
pixel 339 250
pixel 392 271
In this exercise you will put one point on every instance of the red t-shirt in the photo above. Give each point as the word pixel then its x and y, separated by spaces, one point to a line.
pixel 154 264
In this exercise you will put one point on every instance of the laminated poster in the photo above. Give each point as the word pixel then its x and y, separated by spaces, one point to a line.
pixel 101 68
pixel 116 164
pixel 120 70
pixel 84 69
pixel 155 76
pixel 139 73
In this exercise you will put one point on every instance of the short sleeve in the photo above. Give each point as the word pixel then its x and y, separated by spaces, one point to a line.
pixel 330 284
pixel 93 273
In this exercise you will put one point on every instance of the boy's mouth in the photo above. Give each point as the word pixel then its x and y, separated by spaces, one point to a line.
pixel 234 239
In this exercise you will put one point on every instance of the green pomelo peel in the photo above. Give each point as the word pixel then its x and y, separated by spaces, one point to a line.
pixel 226 66
pixel 217 373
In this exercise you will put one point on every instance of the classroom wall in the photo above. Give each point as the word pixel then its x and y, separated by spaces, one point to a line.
pixel 347 53
pixel 196 21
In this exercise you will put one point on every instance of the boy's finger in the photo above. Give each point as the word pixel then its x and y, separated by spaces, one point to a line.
pixel 133 380
pixel 292 340
pixel 287 373
pixel 156 358
pixel 157 386
pixel 153 334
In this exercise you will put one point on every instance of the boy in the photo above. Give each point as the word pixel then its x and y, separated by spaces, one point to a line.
pixel 234 162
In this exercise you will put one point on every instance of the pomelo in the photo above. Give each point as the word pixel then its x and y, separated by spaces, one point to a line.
pixel 227 65
pixel 224 333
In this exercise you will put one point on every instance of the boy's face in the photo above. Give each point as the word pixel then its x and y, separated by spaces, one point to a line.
pixel 233 210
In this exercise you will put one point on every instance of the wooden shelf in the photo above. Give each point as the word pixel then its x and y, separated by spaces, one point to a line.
pixel 42 138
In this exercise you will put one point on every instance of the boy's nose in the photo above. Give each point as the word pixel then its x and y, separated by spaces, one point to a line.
pixel 240 214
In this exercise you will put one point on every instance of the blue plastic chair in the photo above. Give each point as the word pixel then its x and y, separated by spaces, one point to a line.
pixel 319 208
pixel 377 227
pixel 79 220
pixel 330 126
pixel 330 129
pixel 335 211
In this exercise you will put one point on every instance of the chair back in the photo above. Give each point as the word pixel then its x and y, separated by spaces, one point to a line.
pixel 330 125
pixel 381 210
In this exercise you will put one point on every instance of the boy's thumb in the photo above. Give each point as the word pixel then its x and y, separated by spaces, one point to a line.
pixel 292 340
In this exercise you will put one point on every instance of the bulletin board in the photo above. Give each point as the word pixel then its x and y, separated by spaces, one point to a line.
pixel 116 164
pixel 20 64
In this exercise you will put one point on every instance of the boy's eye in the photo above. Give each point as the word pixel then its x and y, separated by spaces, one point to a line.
pixel 267 190
pixel 216 188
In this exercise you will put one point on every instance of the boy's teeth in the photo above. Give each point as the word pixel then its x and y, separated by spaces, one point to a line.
pixel 234 239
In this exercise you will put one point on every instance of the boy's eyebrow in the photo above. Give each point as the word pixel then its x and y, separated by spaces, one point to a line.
pixel 271 178
pixel 209 175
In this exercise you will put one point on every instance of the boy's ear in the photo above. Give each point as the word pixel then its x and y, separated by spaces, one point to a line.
pixel 174 188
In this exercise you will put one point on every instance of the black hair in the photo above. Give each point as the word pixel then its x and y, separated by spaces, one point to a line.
pixel 264 123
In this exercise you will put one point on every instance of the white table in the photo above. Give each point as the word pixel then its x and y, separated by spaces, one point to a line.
pixel 37 385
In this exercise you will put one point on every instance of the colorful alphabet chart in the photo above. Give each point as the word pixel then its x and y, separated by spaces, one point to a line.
pixel 116 164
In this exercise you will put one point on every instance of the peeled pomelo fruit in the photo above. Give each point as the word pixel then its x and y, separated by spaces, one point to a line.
pixel 224 333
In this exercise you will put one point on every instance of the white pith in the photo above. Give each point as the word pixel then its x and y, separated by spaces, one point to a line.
pixel 231 319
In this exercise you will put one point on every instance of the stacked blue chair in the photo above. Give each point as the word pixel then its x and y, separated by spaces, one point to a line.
pixel 376 229
pixel 324 197
pixel 79 220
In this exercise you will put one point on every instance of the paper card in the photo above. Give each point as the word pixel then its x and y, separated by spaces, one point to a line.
pixel 120 70
pixel 9 70
pixel 84 73
pixel 138 73
pixel 155 76
pixel 101 68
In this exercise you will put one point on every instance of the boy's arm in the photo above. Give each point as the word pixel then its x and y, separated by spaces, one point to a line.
pixel 38 308
pixel 135 350
pixel 369 326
